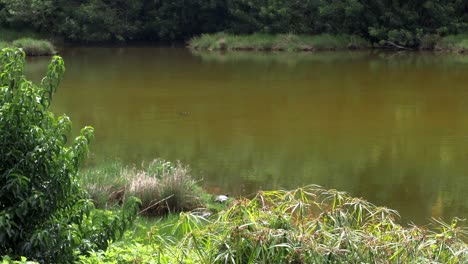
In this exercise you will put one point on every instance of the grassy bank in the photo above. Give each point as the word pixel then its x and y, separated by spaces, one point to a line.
pixel 290 42
pixel 306 225
pixel 283 42
pixel 32 47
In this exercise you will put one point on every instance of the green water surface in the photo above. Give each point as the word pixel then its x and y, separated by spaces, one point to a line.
pixel 389 127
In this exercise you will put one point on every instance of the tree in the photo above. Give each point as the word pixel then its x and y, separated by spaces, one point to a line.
pixel 27 13
pixel 44 214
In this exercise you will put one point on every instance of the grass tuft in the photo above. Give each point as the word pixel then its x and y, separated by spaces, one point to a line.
pixel 163 187
pixel 34 47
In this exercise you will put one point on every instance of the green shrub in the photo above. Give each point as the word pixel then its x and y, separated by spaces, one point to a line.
pixel 23 260
pixel 34 47
pixel 43 211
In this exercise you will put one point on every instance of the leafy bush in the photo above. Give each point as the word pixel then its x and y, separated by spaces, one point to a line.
pixel 23 260
pixel 34 47
pixel 43 211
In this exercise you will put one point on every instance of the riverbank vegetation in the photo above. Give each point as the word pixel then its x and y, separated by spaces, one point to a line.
pixel 306 225
pixel 283 42
pixel 291 42
pixel 410 24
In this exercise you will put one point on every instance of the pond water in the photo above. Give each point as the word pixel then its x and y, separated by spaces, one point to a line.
pixel 389 127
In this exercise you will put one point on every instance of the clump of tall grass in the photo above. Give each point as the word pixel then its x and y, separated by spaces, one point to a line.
pixel 162 186
pixel 306 225
pixel 34 47
pixel 281 42
pixel 106 183
pixel 166 187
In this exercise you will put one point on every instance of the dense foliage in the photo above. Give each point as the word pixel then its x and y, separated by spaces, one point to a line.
pixel 306 225
pixel 407 23
pixel 43 211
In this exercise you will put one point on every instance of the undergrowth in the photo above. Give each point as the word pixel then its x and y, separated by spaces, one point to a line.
pixel 306 225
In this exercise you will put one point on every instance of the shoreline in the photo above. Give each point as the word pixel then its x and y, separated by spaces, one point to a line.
pixel 221 42
pixel 315 43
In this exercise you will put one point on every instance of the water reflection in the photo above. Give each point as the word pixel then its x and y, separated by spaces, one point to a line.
pixel 390 127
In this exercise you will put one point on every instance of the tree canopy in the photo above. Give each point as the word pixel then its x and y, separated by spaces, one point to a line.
pixel 404 22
